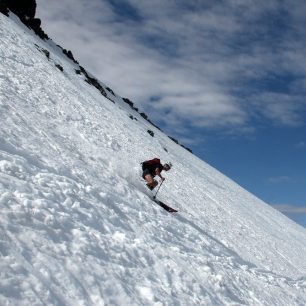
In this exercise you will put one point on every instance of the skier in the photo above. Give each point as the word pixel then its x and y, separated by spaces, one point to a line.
pixel 151 168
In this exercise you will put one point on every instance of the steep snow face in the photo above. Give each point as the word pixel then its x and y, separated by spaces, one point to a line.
pixel 78 226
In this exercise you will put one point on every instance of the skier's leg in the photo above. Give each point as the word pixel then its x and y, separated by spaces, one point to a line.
pixel 151 183
pixel 149 179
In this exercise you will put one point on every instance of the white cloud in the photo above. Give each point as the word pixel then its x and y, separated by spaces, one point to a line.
pixel 300 145
pixel 280 179
pixel 290 209
pixel 282 108
pixel 207 61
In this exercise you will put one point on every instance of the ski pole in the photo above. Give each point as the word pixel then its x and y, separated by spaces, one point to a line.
pixel 154 197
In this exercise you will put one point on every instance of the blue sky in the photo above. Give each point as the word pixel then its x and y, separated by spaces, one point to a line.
pixel 226 78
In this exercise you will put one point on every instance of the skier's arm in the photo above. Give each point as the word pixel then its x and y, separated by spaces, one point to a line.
pixel 157 171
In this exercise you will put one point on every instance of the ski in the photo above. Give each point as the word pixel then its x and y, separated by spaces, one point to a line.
pixel 165 206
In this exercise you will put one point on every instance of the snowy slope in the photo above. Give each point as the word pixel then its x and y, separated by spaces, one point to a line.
pixel 77 224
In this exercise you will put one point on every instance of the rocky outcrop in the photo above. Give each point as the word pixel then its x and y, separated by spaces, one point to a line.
pixel 25 10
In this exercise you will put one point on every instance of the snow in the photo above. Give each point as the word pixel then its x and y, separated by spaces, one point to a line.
pixel 78 226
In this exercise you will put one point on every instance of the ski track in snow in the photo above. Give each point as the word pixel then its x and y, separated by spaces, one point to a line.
pixel 78 226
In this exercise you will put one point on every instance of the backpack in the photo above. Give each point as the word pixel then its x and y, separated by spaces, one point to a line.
pixel 154 161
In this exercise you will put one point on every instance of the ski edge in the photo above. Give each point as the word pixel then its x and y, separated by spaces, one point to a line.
pixel 165 206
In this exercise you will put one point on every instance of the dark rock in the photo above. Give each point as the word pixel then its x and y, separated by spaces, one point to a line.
pixel 46 52
pixel 133 118
pixel 35 24
pixel 24 9
pixel 59 67
pixel 130 103
pixel 69 54
pixel 4 7
pixel 94 82
pixel 187 148
pixel 151 133
pixel 143 115
pixel 108 89
pixel 173 139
